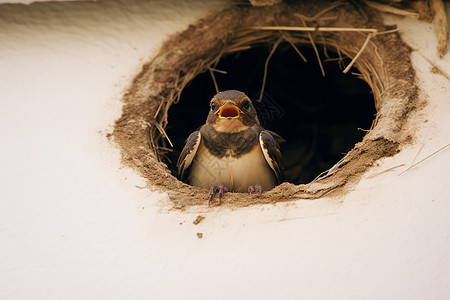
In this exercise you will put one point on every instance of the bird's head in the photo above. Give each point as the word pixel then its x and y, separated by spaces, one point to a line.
pixel 231 111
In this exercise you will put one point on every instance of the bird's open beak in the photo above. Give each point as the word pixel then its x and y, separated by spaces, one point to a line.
pixel 229 111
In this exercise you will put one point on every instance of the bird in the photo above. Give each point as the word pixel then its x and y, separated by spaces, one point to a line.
pixel 231 152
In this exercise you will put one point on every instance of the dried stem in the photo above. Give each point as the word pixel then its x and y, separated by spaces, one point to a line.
pixel 266 65
pixel 163 132
pixel 350 65
pixel 440 25
pixel 322 12
pixel 315 49
pixel 436 66
pixel 288 38
pixel 422 160
pixel 214 80
pixel 385 171
pixel 314 29
pixel 392 10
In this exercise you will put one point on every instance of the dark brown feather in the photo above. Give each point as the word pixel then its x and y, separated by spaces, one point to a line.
pixel 191 145
pixel 270 144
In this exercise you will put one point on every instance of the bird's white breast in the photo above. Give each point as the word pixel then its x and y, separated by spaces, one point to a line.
pixel 235 173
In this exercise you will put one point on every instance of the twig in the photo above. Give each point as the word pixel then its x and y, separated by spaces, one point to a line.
pixel 314 29
pixel 315 49
pixel 165 149
pixel 350 65
pixel 332 170
pixel 159 108
pixel 266 65
pixel 436 66
pixel 332 59
pixel 288 38
pixel 392 10
pixel 163 132
pixel 440 25
pixel 385 171
pixel 341 60
pixel 237 49
pixel 417 154
pixel 435 152
pixel 218 71
pixel 321 13
pixel 214 80
pixel 386 32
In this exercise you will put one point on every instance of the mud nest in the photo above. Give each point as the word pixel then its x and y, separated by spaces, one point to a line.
pixel 352 31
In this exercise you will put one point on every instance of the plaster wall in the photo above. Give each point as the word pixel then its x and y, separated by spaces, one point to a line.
pixel 74 223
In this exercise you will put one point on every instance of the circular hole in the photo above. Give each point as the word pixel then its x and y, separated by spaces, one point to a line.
pixel 320 117
pixel 149 115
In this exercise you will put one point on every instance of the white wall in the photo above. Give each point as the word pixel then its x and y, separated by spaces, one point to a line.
pixel 74 224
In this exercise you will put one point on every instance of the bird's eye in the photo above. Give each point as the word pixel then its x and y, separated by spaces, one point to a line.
pixel 246 105
pixel 213 106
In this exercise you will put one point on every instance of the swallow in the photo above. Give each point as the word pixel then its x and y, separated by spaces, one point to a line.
pixel 231 152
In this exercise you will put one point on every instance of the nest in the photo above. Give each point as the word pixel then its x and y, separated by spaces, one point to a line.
pixel 350 30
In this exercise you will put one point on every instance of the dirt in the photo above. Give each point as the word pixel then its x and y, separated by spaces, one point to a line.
pixel 198 220
pixel 385 65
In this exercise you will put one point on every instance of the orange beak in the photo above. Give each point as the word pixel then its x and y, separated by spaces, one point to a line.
pixel 229 111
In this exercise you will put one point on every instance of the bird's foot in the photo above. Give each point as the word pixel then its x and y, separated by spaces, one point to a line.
pixel 221 189
pixel 255 188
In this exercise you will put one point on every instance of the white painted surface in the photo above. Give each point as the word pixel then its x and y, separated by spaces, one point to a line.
pixel 73 224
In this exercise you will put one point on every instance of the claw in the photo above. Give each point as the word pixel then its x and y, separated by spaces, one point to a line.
pixel 213 191
pixel 255 188
pixel 220 192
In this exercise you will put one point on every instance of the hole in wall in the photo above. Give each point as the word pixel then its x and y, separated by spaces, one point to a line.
pixel 144 130
pixel 320 117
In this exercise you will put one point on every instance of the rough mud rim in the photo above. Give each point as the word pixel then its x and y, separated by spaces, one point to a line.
pixel 384 64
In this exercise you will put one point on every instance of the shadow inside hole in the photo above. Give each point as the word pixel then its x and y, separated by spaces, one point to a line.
pixel 318 116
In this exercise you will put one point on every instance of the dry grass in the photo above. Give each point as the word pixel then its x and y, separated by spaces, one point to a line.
pixel 424 159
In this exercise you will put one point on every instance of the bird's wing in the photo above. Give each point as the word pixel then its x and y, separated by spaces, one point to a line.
pixel 277 137
pixel 271 153
pixel 188 153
